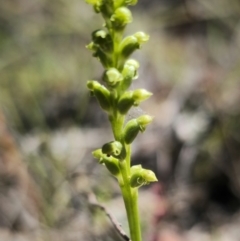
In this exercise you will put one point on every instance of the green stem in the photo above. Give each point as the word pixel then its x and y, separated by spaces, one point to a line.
pixel 128 157
pixel 130 197
pixel 117 126
pixel 136 225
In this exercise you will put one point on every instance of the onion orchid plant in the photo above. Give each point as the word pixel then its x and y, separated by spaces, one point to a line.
pixel 113 50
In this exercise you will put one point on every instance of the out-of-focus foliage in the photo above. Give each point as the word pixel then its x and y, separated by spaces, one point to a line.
pixel 43 62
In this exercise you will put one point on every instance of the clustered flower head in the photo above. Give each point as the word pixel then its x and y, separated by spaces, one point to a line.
pixel 113 50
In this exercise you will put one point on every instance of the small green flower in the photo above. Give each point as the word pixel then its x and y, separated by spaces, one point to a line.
pixel 128 46
pixel 109 161
pixel 129 73
pixel 141 176
pixel 103 57
pixel 92 46
pixel 125 102
pixel 132 63
pixel 121 17
pixel 141 37
pixel 131 131
pixel 130 69
pixel 143 121
pixel 140 95
pixel 113 148
pixel 133 127
pixel 112 77
pixel 132 98
pixel 131 43
pixel 101 92
pixel 98 155
pixel 103 40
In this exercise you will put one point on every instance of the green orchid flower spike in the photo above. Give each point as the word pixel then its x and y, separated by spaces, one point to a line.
pixel 113 50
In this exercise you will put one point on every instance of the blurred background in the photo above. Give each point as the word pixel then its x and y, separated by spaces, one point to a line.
pixel 49 124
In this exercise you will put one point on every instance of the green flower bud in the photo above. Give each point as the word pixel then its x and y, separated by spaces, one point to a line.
pixel 110 162
pixel 143 121
pixel 103 96
pixel 96 4
pixel 132 43
pixel 135 168
pixel 133 127
pixel 101 92
pixel 107 8
pixel 103 40
pixel 103 57
pixel 140 95
pixel 112 77
pixel 128 46
pixel 133 63
pixel 149 176
pixel 130 69
pixel 92 46
pixel 98 35
pixel 125 102
pixel 112 165
pixel 130 98
pixel 113 148
pixel 98 155
pixel 129 73
pixel 121 17
pixel 141 176
pixel 130 131
pixel 92 84
pixel 141 37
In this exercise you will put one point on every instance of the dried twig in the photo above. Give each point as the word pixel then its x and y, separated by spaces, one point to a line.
pixel 93 201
